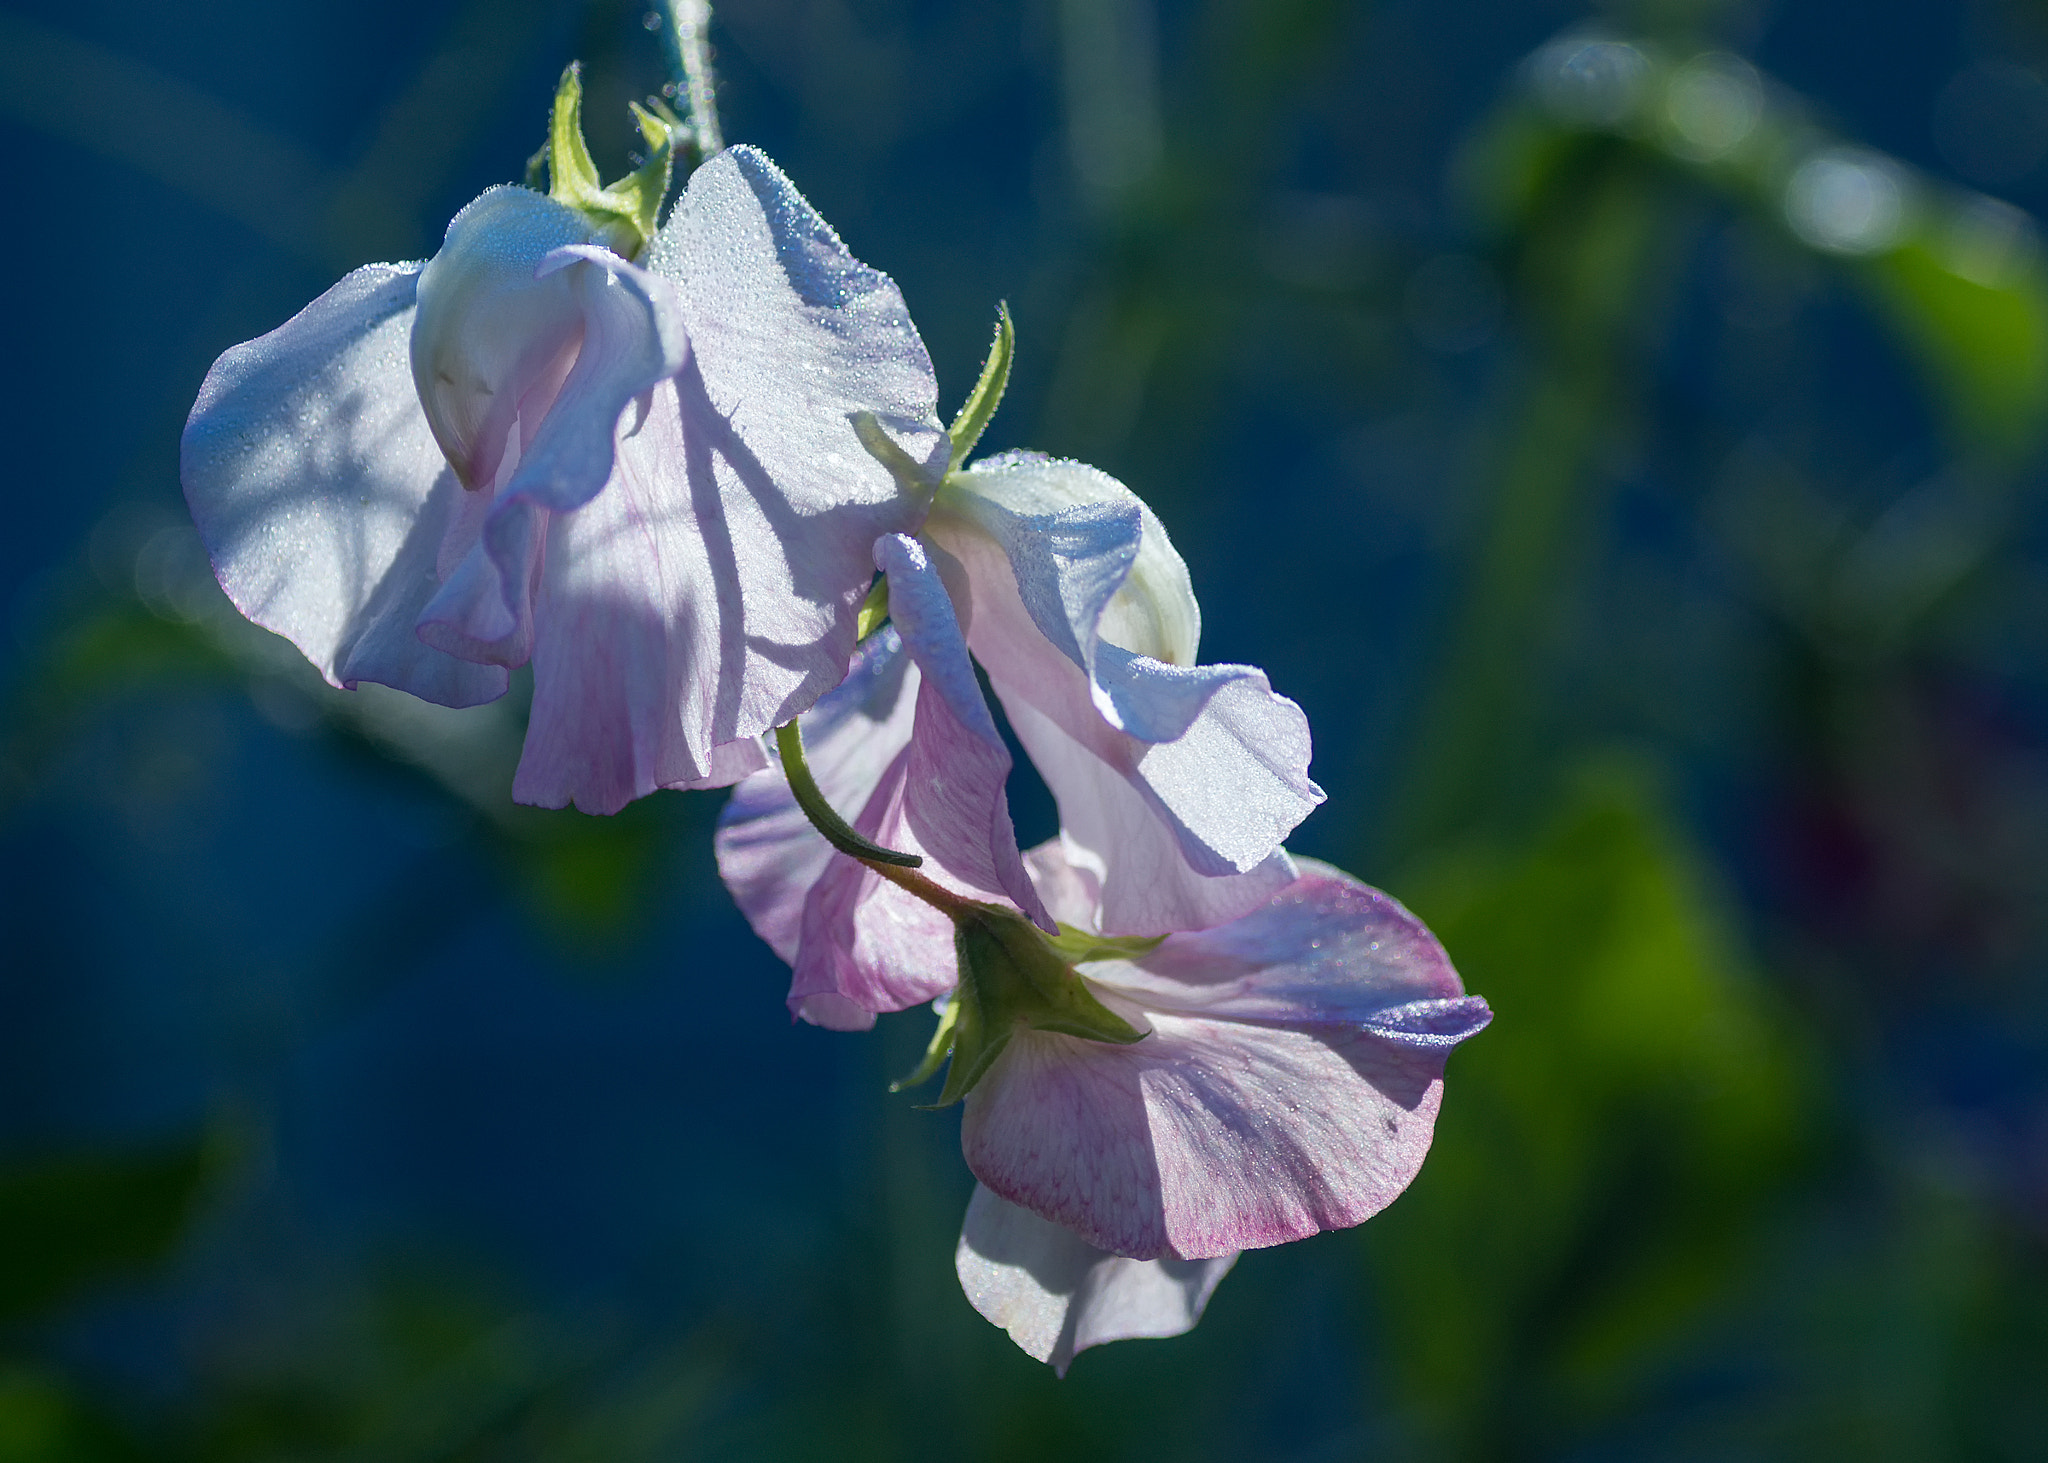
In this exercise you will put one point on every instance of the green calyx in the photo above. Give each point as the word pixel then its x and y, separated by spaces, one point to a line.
pixel 1013 977
pixel 625 214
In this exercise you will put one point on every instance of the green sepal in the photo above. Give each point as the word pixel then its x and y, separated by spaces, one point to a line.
pixel 789 741
pixel 1011 977
pixel 627 212
pixel 874 610
pixel 937 1051
pixel 910 474
pixel 988 391
pixel 1078 945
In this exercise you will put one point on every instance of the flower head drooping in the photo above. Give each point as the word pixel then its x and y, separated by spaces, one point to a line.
pixel 1176 782
pixel 628 455
pixel 1138 1110
pixel 1221 1049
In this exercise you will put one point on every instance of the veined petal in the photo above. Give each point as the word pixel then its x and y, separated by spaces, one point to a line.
pixel 954 800
pixel 1207 1136
pixel 1209 751
pixel 321 495
pixel 1327 951
pixel 768 853
pixel 1133 845
pixel 754 456
pixel 1057 1295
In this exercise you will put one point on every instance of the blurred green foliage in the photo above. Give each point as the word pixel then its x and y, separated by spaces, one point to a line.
pixel 1679 1153
pixel 1594 1190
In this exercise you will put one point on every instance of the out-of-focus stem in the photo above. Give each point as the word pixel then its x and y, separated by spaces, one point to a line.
pixel 689 28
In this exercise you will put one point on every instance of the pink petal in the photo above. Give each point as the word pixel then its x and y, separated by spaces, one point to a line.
pixel 865 946
pixel 1327 951
pixel 1206 1137
pixel 321 495
pixel 586 741
pixel 709 593
pixel 954 801
pixel 1057 1295
pixel 768 853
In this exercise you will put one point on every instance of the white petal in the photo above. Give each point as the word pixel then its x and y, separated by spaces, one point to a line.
pixel 321 494
pixel 1214 766
pixel 1131 845
pixel 1057 1295
pixel 491 333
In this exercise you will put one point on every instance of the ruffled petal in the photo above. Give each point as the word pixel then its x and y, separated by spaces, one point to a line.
pixel 864 945
pixel 1134 850
pixel 321 495
pixel 1056 1295
pixel 548 582
pixel 1207 1136
pixel 955 804
pixel 1209 751
pixel 768 853
pixel 755 454
pixel 1328 951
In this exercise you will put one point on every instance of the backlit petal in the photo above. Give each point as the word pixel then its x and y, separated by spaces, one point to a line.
pixel 1327 951
pixel 768 853
pixel 1215 763
pixel 321 494
pixel 1207 1136
pixel 1057 1295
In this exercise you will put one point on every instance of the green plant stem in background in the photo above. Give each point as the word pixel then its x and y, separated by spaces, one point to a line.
pixel 1591 255
pixel 689 27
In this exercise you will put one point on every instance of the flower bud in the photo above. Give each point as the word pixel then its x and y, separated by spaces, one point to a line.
pixel 491 343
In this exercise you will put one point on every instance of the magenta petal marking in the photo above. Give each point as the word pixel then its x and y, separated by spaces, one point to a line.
pixel 1206 1137
pixel 1057 1295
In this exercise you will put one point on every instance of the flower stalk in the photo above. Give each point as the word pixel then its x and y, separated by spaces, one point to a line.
pixel 689 27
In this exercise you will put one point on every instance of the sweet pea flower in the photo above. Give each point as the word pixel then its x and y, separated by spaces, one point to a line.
pixel 1287 1083
pixel 1176 782
pixel 1138 1109
pixel 630 457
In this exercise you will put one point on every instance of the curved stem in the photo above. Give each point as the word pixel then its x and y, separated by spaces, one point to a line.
pixel 789 741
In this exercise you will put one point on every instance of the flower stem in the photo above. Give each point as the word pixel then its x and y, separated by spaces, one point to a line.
pixel 689 26
pixel 897 868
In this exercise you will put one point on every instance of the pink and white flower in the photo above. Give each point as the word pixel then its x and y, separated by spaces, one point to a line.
pixel 1280 1028
pixel 1288 1084
pixel 645 479
pixel 1176 782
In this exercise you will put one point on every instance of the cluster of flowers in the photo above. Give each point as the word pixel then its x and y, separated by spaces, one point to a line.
pixel 663 466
